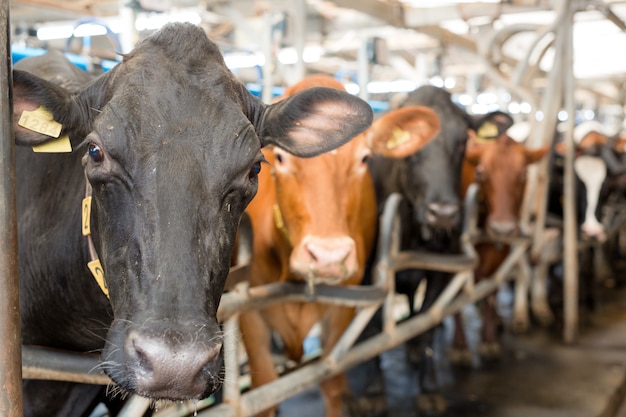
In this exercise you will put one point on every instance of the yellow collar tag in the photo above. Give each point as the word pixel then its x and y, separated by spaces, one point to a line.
pixel 98 273
pixel 40 121
pixel 398 137
pixel 60 145
pixel 280 223
pixel 86 216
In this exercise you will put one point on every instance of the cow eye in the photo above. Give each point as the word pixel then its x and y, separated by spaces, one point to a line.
pixel 255 170
pixel 95 152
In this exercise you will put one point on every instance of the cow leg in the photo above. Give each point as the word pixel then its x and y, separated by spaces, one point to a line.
pixel 428 355
pixel 400 382
pixel 490 346
pixel 587 278
pixel 539 295
pixel 460 354
pixel 520 306
pixel 335 390
pixel 257 338
pixel 53 398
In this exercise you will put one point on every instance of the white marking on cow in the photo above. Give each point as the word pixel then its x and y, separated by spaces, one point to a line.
pixel 592 172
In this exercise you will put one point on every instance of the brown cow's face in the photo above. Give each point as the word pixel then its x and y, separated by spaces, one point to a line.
pixel 327 203
pixel 319 199
pixel 501 172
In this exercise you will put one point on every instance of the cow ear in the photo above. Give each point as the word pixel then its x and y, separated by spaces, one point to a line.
pixel 314 121
pixel 534 155
pixel 46 106
pixel 403 132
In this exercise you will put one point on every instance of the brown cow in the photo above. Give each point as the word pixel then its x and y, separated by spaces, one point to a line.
pixel 315 220
pixel 499 167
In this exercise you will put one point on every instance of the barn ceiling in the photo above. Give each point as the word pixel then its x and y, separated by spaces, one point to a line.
pixel 416 40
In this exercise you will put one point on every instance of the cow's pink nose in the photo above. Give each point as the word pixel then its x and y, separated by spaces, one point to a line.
pixel 169 371
pixel 326 258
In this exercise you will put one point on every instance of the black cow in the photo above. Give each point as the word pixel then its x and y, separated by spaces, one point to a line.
pixel 170 142
pixel 429 181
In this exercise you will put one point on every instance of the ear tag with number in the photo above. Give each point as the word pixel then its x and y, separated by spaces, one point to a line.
pixel 86 216
pixel 40 121
pixel 98 273
pixel 60 145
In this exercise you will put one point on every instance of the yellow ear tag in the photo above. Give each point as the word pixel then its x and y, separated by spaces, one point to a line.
pixel 60 145
pixel 86 216
pixel 98 273
pixel 398 137
pixel 487 131
pixel 40 121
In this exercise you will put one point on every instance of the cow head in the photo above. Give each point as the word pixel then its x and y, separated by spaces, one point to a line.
pixel 172 144
pixel 596 159
pixel 500 169
pixel 430 179
pixel 327 204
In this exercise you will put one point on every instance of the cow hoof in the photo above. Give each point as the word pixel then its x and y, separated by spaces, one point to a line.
pixel 431 405
pixel 519 326
pixel 366 406
pixel 461 358
pixel 490 350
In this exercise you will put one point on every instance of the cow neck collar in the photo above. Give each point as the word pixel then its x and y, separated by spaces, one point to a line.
pixel 279 222
pixel 94 265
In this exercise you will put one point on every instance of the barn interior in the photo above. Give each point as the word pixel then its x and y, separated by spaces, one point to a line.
pixel 551 63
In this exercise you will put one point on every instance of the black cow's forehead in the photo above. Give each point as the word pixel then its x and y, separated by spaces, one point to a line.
pixel 163 102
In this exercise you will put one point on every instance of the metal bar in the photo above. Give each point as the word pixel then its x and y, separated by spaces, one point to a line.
pixel 570 284
pixel 433 262
pixel 352 333
pixel 447 295
pixel 543 134
pixel 135 406
pixel 10 334
pixel 45 363
pixel 232 393
pixel 266 295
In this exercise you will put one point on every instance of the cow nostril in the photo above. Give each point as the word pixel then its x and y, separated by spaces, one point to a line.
pixel 503 228
pixel 442 213
pixel 143 360
pixel 329 254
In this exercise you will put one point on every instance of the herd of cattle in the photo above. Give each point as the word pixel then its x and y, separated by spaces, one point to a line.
pixel 170 149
